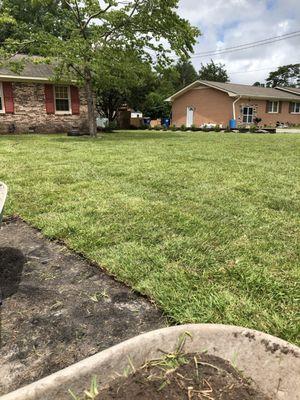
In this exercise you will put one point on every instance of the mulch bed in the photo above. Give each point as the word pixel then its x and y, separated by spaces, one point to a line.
pixel 57 308
pixel 188 377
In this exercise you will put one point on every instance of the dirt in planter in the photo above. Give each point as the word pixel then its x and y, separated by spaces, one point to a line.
pixel 187 377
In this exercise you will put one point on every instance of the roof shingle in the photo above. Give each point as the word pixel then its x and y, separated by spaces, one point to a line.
pixel 31 69
pixel 246 91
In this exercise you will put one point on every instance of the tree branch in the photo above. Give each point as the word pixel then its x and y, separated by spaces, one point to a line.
pixel 107 34
pixel 97 14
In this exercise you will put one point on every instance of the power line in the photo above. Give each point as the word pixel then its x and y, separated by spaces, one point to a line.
pixel 246 46
pixel 251 43
pixel 256 70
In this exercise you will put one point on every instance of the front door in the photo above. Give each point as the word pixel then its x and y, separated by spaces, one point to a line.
pixel 189 116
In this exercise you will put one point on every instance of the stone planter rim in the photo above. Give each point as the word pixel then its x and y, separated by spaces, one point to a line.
pixel 3 194
pixel 87 367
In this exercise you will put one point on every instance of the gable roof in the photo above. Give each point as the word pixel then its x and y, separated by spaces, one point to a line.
pixel 289 89
pixel 238 90
pixel 32 71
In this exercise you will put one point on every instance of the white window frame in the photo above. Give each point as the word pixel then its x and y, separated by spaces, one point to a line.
pixel 295 104
pixel 271 107
pixel 247 115
pixel 58 112
pixel 2 110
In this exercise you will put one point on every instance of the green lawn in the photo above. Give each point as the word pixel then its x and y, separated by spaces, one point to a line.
pixel 206 224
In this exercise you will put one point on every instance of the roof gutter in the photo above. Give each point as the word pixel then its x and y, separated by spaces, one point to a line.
pixel 21 78
pixel 28 79
pixel 233 106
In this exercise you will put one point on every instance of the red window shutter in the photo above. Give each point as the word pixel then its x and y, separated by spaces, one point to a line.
pixel 49 99
pixel 75 102
pixel 8 97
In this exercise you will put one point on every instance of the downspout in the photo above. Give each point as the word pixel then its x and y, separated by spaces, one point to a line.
pixel 233 107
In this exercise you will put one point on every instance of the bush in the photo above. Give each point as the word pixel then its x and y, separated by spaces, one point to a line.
pixel 110 126
pixel 158 128
pixel 253 129
pixel 173 128
pixel 164 127
pixel 183 128
pixel 194 128
pixel 227 129
pixel 217 128
pixel 207 129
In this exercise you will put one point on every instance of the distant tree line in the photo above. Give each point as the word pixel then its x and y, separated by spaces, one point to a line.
pixel 286 75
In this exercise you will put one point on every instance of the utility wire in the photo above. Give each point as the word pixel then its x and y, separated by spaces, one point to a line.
pixel 246 46
pixel 256 70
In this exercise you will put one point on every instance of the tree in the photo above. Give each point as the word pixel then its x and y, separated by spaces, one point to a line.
pixel 33 15
pixel 258 84
pixel 213 72
pixel 94 29
pixel 166 82
pixel 186 74
pixel 123 78
pixel 286 75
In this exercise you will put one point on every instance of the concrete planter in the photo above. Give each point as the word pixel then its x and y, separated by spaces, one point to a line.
pixel 3 193
pixel 272 363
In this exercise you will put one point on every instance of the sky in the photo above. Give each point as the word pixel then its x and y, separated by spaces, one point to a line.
pixel 226 23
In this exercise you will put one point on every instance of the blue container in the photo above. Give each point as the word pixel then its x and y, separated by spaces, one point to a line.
pixel 147 121
pixel 166 121
pixel 232 124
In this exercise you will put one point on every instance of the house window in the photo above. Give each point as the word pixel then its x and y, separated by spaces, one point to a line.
pixel 273 107
pixel 248 115
pixel 1 99
pixel 62 100
pixel 296 108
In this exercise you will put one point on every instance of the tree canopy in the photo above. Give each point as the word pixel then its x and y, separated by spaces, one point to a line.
pixel 81 36
pixel 213 72
pixel 286 75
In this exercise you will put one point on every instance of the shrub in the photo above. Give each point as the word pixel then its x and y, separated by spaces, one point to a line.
pixel 183 128
pixel 110 126
pixel 253 129
pixel 173 128
pixel 217 128
pixel 158 128
pixel 227 129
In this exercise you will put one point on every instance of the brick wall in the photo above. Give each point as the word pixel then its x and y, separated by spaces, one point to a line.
pixel 30 112
pixel 210 106
pixel 269 119
pixel 213 106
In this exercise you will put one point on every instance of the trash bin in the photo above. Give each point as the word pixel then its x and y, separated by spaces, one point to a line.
pixel 147 121
pixel 166 122
pixel 232 124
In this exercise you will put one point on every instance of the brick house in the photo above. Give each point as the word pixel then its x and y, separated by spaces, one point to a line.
pixel 205 102
pixel 32 102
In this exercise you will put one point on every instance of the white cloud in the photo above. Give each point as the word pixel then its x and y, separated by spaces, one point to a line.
pixel 234 22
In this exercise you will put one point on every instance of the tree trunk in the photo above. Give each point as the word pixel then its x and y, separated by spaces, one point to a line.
pixel 90 104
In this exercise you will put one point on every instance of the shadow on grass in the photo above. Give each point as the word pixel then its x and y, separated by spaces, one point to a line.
pixel 118 136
